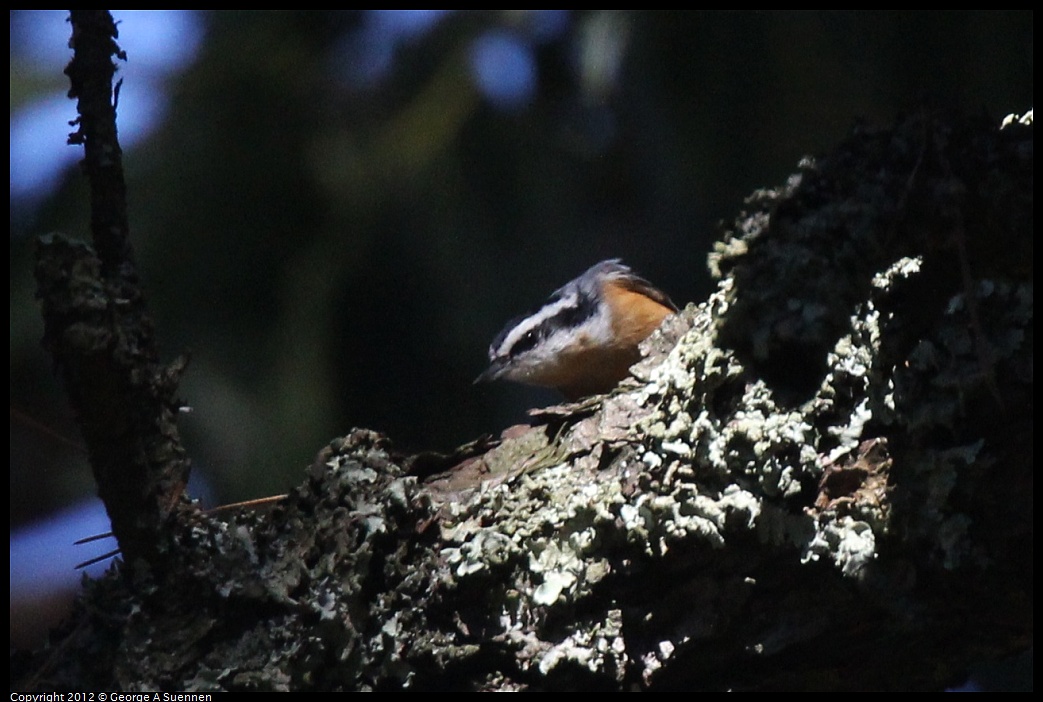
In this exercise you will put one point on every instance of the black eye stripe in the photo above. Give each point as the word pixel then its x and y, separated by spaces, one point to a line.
pixel 581 305
pixel 528 341
pixel 574 316
pixel 567 318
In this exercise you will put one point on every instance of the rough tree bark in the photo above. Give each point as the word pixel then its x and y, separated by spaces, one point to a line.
pixel 819 478
pixel 98 328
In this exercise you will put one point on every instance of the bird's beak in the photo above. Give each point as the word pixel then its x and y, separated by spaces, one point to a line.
pixel 493 372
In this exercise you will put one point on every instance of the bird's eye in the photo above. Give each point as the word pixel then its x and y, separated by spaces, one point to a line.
pixel 525 343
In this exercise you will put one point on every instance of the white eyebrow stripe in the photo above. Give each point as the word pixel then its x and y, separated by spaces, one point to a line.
pixel 567 300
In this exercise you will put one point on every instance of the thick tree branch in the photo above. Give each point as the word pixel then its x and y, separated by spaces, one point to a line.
pixel 98 328
pixel 816 480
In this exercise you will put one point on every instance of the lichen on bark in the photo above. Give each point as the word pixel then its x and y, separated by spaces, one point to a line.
pixel 816 479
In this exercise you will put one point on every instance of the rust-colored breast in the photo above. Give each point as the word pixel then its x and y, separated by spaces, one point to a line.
pixel 637 311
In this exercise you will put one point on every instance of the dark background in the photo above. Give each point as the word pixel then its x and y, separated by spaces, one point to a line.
pixel 336 249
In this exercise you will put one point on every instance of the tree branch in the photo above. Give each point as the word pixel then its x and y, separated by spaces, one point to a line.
pixel 862 521
pixel 97 325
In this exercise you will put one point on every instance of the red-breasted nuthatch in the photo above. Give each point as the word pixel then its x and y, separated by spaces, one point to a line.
pixel 583 339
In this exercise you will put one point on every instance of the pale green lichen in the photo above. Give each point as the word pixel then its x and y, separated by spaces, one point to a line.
pixel 1013 118
pixel 779 449
pixel 597 646
pixel 848 543
pixel 646 525
pixel 557 522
